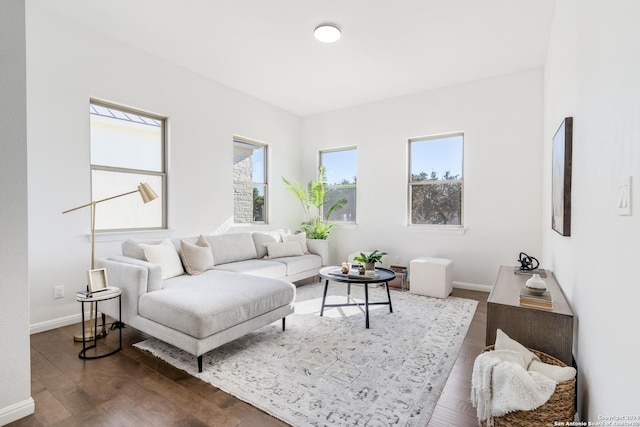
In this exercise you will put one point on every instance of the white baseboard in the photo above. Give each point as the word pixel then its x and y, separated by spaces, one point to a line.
pixel 56 323
pixel 16 411
pixel 472 286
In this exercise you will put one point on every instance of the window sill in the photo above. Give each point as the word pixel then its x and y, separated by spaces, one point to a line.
pixel 345 225
pixel 119 236
pixel 434 229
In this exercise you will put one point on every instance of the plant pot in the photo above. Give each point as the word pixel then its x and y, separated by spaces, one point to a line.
pixel 369 265
pixel 319 247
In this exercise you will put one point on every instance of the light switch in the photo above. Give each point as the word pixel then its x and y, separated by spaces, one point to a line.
pixel 624 197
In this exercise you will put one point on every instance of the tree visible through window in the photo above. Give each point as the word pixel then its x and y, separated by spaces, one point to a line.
pixel 127 148
pixel 249 181
pixel 435 180
pixel 340 171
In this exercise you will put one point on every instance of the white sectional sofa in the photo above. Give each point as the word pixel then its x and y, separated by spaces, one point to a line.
pixel 220 288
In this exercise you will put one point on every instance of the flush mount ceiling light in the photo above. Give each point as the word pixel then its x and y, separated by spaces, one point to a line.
pixel 327 33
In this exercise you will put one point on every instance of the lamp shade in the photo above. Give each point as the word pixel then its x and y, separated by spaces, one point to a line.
pixel 146 192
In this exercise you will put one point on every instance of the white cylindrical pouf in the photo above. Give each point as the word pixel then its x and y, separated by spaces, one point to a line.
pixel 431 277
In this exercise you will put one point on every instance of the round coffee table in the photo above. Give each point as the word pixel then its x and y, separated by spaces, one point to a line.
pixel 382 275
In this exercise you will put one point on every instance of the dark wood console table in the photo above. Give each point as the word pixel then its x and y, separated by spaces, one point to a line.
pixel 546 330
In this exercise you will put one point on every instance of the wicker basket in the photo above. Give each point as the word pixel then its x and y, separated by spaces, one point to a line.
pixel 559 407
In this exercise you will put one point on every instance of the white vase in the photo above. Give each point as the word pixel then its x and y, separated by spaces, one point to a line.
pixel 536 285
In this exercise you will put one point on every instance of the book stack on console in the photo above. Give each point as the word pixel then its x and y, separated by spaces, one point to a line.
pixel 539 301
pixel 95 294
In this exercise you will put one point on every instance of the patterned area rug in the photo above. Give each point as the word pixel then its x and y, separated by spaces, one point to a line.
pixel 331 370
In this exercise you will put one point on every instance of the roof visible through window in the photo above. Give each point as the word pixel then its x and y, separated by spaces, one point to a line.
pixel 101 110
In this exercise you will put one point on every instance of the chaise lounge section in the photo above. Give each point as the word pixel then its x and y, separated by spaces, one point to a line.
pixel 237 292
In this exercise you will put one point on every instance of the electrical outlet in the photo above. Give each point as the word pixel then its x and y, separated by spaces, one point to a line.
pixel 58 292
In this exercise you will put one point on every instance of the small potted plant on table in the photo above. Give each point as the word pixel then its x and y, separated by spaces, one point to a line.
pixel 369 261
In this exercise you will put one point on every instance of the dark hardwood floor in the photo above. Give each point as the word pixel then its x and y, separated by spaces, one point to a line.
pixel 133 388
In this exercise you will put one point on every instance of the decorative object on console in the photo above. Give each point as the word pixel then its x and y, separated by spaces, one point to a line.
pixel 370 260
pixel 316 226
pixel 561 178
pixel 529 265
pixel 535 285
pixel 147 195
pixel 527 262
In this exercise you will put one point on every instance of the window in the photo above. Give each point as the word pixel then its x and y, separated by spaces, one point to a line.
pixel 340 171
pixel 250 189
pixel 127 148
pixel 435 180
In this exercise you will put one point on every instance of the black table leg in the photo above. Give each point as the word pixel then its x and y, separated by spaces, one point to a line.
pixel 324 296
pixel 366 304
pixel 84 338
pixel 389 295
pixel 120 321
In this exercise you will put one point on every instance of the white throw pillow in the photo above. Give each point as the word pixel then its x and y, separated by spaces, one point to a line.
pixel 260 239
pixel 280 250
pixel 503 342
pixel 301 238
pixel 166 256
pixel 197 258
pixel 557 373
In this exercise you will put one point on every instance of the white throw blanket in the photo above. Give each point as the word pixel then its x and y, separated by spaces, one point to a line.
pixel 501 384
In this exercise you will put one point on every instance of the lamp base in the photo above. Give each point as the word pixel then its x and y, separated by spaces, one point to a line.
pixel 88 335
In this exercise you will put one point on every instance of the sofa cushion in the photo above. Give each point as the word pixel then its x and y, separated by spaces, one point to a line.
pixel 232 247
pixel 196 257
pixel 256 267
pixel 298 264
pixel 216 300
pixel 284 249
pixel 260 240
pixel 132 249
pixel 301 238
pixel 164 255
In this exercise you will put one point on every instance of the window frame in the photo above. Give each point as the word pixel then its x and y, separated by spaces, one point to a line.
pixel 265 146
pixel 162 174
pixel 347 186
pixel 410 183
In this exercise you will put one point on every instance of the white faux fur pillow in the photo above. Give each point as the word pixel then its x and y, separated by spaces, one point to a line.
pixel 280 250
pixel 165 256
pixel 197 258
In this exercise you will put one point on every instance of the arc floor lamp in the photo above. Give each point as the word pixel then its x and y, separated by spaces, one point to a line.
pixel 147 195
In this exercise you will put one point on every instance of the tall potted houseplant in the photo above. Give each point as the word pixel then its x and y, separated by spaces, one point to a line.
pixel 316 206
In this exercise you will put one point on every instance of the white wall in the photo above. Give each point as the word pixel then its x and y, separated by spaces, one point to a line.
pixel 592 73
pixel 68 64
pixel 502 123
pixel 15 366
